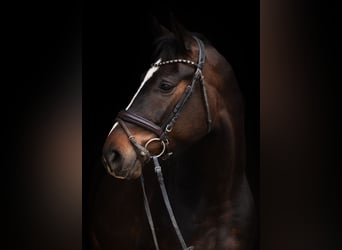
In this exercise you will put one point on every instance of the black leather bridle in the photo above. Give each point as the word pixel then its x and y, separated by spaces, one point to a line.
pixel 162 132
pixel 166 127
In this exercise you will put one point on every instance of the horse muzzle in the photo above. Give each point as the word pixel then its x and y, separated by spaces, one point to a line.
pixel 118 169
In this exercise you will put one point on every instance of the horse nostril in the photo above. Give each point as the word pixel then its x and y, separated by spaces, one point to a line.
pixel 112 159
pixel 116 156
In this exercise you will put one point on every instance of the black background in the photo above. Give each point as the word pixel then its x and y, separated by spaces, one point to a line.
pixel 117 50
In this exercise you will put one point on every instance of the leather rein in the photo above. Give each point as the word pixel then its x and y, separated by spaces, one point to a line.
pixel 162 132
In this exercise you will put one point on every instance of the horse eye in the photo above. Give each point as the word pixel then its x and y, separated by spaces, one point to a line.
pixel 165 86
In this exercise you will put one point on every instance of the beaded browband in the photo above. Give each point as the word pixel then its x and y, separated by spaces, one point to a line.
pixel 175 61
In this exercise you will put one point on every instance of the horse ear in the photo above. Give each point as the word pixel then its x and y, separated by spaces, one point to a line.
pixel 158 30
pixel 181 33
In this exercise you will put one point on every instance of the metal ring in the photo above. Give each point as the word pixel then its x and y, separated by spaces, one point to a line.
pixel 161 142
pixel 169 128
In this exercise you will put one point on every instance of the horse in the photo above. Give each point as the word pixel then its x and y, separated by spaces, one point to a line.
pixel 177 155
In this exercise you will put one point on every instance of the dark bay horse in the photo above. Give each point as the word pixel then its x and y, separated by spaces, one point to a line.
pixel 187 116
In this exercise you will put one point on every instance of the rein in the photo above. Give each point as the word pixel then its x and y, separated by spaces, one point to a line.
pixel 162 133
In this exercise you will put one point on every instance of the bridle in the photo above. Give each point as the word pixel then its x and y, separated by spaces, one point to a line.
pixel 166 127
pixel 162 131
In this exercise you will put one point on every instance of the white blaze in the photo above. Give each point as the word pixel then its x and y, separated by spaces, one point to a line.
pixel 148 76
pixel 114 126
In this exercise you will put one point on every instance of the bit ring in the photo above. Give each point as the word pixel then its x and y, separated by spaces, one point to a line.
pixel 161 142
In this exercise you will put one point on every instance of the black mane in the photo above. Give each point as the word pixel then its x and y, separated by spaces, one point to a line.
pixel 169 47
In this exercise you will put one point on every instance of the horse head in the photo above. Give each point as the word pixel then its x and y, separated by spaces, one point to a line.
pixel 178 103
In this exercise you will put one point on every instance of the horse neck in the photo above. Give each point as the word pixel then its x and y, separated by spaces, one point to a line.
pixel 220 158
pixel 213 168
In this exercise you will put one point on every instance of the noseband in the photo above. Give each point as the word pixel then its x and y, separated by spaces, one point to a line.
pixel 164 129
pixel 162 132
